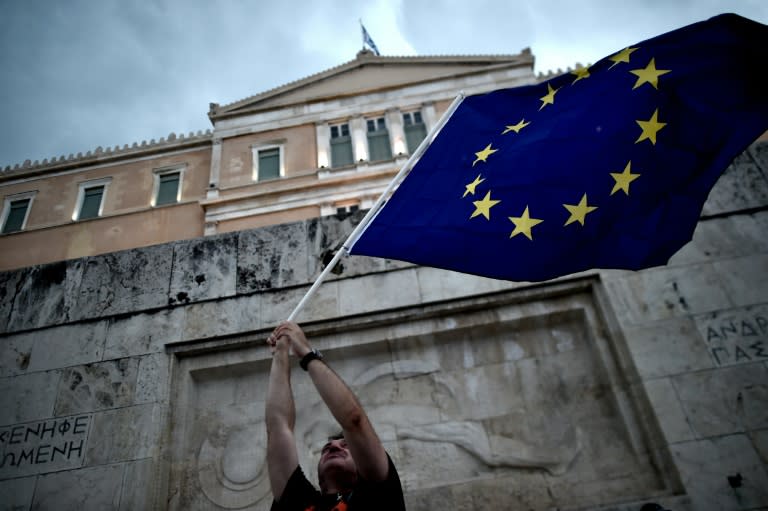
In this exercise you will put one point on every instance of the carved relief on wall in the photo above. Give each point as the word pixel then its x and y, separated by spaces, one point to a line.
pixel 526 407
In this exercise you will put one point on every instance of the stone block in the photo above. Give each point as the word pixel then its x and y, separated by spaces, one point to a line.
pixel 666 292
pixel 759 153
pixel 741 186
pixel 667 347
pixel 736 336
pixel 76 490
pixel 722 473
pixel 379 292
pixel 52 348
pixel 16 494
pixel 725 400
pixel 152 382
pixel 272 257
pixel 138 482
pixel 204 268
pixel 125 434
pixel 723 237
pixel 437 284
pixel 27 397
pixel 222 317
pixel 143 333
pixel 760 441
pixel 668 410
pixel 98 386
pixel 326 235
pixel 745 280
pixel 323 304
pixel 124 282
pixel 10 284
pixel 46 296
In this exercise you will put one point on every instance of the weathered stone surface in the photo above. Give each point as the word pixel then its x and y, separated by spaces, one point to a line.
pixel 16 494
pixel 666 292
pixel 436 284
pixel 272 257
pixel 27 397
pixel 76 490
pixel 323 304
pixel 741 186
pixel 52 348
pixel 706 466
pixel 745 280
pixel 10 284
pixel 759 153
pixel 143 333
pixel 667 347
pixel 669 410
pixel 137 485
pixel 760 441
pixel 204 268
pixel 222 317
pixel 383 291
pixel 97 386
pixel 152 383
pixel 736 336
pixel 124 434
pixel 326 235
pixel 124 282
pixel 726 400
pixel 723 237
pixel 48 295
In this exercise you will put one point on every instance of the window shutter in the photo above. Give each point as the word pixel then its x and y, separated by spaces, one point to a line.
pixel 91 202
pixel 16 213
pixel 168 189
pixel 269 163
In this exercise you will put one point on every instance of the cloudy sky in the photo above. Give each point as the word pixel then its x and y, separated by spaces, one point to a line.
pixel 78 74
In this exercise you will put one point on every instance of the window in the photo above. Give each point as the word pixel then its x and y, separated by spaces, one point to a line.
pixel 168 187
pixel 341 146
pixel 379 147
pixel 90 199
pixel 16 211
pixel 415 130
pixel 267 162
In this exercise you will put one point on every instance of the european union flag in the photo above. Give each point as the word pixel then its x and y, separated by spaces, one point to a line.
pixel 604 167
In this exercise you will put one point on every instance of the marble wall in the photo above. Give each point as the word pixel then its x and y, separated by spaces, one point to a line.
pixel 136 380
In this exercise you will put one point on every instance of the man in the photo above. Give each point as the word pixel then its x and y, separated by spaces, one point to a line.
pixel 354 471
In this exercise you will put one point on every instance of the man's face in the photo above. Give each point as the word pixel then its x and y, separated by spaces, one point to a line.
pixel 335 457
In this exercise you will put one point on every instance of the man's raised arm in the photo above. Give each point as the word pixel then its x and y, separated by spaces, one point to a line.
pixel 280 417
pixel 361 438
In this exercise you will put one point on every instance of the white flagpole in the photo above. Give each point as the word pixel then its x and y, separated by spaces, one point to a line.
pixel 358 231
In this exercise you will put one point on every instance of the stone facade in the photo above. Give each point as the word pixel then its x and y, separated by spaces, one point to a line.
pixel 136 380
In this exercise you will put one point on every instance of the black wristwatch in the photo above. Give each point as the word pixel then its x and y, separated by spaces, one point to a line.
pixel 309 357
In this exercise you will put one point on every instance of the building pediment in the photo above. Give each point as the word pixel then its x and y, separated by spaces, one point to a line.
pixel 369 73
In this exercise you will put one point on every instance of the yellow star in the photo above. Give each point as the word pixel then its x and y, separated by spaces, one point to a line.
pixel 470 188
pixel 524 224
pixel 579 211
pixel 549 99
pixel 622 56
pixel 484 154
pixel 650 128
pixel 517 127
pixel 581 72
pixel 623 179
pixel 649 74
pixel 483 207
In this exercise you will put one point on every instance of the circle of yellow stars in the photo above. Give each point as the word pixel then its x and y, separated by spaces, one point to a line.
pixel 650 128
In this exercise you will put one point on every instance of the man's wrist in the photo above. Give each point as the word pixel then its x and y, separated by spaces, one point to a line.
pixel 308 357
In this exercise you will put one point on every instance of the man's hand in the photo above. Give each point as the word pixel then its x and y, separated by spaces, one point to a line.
pixel 290 336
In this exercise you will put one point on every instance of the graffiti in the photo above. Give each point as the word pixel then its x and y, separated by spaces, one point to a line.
pixel 738 337
pixel 39 446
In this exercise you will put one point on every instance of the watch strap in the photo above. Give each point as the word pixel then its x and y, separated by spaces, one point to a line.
pixel 309 357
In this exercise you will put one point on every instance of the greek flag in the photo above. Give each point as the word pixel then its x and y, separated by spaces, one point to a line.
pixel 368 41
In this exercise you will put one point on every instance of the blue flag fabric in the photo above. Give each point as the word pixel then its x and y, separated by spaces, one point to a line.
pixel 368 40
pixel 604 167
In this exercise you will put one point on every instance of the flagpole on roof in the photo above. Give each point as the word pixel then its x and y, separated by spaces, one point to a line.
pixel 358 231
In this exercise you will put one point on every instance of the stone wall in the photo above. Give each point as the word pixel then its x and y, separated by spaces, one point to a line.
pixel 136 380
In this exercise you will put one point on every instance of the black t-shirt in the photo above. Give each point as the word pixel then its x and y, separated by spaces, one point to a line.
pixel 300 495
